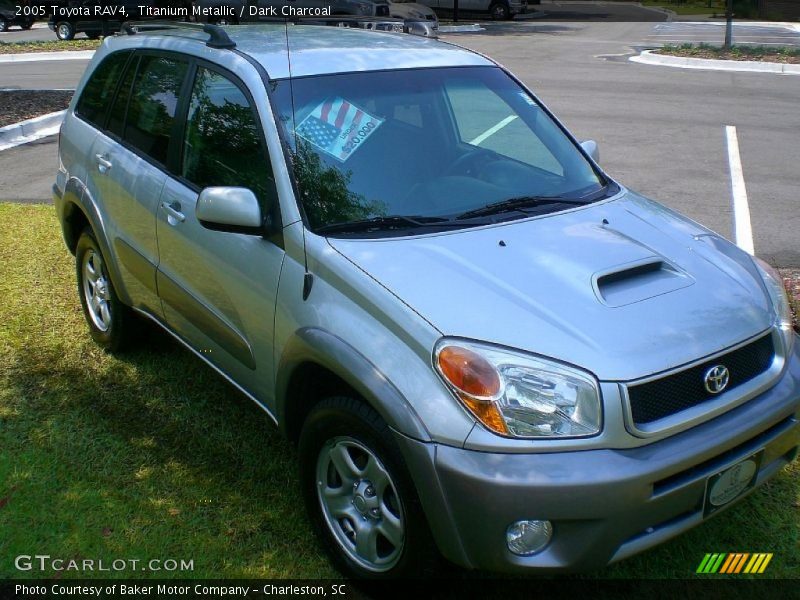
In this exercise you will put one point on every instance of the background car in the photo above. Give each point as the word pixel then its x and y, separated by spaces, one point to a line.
pixel 9 16
pixel 363 8
pixel 497 9
pixel 67 26
pixel 405 9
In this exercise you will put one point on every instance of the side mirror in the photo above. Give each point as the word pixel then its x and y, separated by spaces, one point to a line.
pixel 233 209
pixel 590 147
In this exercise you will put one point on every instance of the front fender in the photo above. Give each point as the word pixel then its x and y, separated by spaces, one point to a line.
pixel 314 345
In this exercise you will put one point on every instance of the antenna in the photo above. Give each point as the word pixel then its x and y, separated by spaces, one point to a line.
pixel 308 278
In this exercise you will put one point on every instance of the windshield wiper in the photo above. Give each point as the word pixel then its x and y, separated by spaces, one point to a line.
pixel 388 222
pixel 517 204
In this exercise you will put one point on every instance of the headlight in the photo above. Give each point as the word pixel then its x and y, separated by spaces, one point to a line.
pixel 518 395
pixel 780 301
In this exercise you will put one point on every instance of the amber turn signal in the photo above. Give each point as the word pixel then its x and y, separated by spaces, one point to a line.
pixel 469 372
pixel 477 383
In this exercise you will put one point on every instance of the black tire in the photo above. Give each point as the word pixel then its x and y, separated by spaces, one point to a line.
pixel 65 31
pixel 500 11
pixel 3 24
pixel 27 24
pixel 117 317
pixel 339 421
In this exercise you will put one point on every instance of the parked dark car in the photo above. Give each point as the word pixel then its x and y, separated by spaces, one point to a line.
pixel 96 17
pixel 13 14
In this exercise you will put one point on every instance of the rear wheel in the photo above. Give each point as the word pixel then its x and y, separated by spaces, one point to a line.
pixel 500 11
pixel 3 24
pixel 359 494
pixel 65 30
pixel 110 321
pixel 27 24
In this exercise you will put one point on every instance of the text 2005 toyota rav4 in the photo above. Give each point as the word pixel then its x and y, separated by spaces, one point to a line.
pixel 483 346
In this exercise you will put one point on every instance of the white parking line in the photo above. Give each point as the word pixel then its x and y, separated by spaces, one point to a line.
pixel 492 130
pixel 742 227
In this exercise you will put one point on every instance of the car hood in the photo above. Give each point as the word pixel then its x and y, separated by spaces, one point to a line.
pixel 624 288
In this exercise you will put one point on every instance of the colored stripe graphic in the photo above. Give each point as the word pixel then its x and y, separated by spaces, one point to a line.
pixel 732 563
pixel 703 563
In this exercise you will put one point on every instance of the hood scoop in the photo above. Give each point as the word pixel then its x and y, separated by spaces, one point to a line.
pixel 637 281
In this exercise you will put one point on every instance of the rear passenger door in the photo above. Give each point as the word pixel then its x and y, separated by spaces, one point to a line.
pixel 219 288
pixel 128 162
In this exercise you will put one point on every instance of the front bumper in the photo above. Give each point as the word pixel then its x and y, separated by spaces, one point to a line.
pixel 605 505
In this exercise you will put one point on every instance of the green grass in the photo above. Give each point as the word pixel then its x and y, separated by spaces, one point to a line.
pixel 47 46
pixel 151 455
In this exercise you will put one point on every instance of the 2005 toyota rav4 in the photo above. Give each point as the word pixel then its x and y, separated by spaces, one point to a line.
pixel 481 343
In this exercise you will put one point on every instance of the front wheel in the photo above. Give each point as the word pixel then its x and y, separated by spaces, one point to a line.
pixel 3 24
pixel 359 494
pixel 500 11
pixel 27 24
pixel 110 321
pixel 65 31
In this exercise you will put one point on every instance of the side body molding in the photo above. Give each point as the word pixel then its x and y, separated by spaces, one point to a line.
pixel 317 346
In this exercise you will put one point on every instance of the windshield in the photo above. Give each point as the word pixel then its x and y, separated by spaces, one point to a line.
pixel 438 145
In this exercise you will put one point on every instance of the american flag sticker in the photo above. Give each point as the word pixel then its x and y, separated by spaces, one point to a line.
pixel 338 127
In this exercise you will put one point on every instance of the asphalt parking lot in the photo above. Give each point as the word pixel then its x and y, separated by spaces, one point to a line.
pixel 743 35
pixel 661 131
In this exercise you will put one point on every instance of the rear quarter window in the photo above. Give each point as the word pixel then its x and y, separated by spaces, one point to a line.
pixel 99 90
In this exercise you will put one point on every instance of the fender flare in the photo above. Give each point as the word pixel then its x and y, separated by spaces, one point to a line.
pixel 320 347
pixel 76 197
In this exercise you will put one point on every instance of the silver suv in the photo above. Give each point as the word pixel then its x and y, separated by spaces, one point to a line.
pixel 483 346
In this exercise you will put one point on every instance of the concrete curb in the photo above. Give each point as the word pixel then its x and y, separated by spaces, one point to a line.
pixel 30 130
pixel 460 28
pixel 47 56
pixel 682 62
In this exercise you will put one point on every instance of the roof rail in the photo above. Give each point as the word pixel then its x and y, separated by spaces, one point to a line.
pixel 217 37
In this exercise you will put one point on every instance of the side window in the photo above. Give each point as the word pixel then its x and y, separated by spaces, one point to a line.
pixel 116 117
pixel 222 145
pixel 484 119
pixel 151 108
pixel 100 88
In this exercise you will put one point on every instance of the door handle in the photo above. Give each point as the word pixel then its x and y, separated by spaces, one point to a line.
pixel 174 211
pixel 103 164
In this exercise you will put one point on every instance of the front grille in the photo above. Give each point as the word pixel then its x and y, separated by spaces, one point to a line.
pixel 661 398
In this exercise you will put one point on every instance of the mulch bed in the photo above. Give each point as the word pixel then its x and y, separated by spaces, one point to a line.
pixel 791 279
pixel 719 55
pixel 18 105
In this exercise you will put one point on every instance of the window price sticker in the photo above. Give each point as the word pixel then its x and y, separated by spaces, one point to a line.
pixel 338 127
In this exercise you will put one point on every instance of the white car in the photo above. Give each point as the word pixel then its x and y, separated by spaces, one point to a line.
pixel 401 9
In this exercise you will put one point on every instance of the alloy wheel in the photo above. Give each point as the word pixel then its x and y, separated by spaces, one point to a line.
pixel 360 504
pixel 96 290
